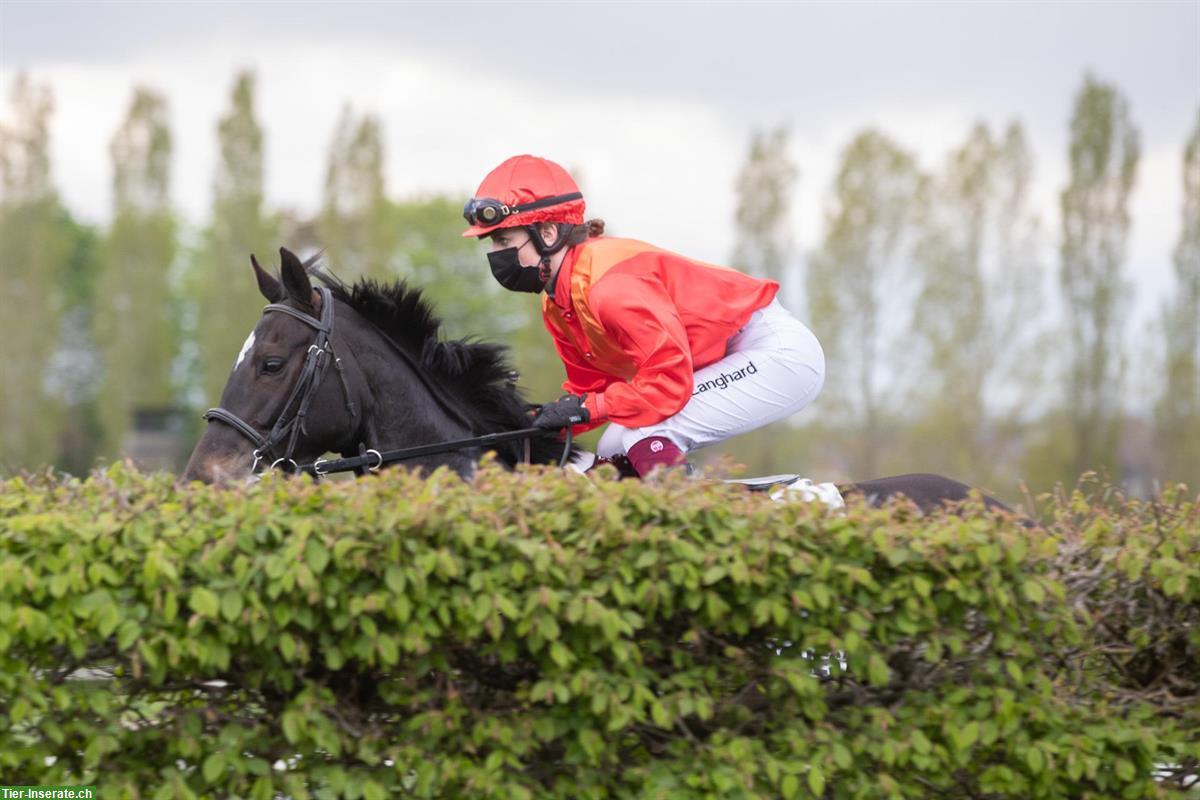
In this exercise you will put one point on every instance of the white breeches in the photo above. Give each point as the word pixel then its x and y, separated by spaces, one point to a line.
pixel 773 367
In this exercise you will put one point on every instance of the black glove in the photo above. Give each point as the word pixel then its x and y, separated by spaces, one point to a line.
pixel 562 413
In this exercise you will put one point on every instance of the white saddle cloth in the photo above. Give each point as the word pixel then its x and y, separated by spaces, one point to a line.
pixel 805 491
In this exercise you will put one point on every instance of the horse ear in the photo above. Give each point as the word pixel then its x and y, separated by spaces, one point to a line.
pixel 268 284
pixel 295 278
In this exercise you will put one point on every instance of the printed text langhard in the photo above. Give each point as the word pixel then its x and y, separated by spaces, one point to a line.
pixel 724 379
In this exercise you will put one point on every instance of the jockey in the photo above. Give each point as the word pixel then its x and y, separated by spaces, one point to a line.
pixel 674 353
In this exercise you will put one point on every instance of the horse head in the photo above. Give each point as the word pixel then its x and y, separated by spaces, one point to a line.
pixel 280 404
pixel 340 368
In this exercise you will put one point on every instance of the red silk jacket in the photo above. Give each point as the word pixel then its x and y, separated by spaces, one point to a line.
pixel 632 322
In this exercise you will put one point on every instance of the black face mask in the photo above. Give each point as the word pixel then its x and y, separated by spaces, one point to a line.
pixel 508 271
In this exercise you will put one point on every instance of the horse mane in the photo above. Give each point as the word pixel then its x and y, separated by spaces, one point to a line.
pixel 478 373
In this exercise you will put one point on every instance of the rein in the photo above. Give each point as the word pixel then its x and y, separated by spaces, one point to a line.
pixel 291 421
pixel 372 460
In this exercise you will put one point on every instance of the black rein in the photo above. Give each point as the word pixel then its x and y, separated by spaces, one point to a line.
pixel 372 460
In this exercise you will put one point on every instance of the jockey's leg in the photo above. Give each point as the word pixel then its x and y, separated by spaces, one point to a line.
pixel 773 367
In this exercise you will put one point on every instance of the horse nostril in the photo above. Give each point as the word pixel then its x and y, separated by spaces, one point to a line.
pixel 222 470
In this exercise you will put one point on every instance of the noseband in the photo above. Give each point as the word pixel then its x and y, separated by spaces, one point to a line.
pixel 291 421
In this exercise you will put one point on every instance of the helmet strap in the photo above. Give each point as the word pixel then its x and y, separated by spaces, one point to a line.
pixel 564 233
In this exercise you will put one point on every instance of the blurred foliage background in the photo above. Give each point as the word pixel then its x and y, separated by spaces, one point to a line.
pixel 950 346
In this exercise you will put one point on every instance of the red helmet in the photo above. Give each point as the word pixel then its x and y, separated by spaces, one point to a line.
pixel 522 191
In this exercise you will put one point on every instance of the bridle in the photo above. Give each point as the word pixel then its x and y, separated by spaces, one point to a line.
pixel 292 420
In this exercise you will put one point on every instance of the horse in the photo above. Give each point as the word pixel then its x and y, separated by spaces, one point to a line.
pixel 397 383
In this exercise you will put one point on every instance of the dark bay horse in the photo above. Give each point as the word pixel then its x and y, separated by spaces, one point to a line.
pixel 341 369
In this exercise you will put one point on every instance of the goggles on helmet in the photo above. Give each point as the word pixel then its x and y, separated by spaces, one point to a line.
pixel 485 212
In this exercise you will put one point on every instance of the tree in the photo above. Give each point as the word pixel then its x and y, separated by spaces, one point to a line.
pixel 978 303
pixel 858 288
pixel 227 301
pixel 136 322
pixel 354 221
pixel 74 370
pixel 1178 415
pixel 33 256
pixel 764 190
pixel 1095 225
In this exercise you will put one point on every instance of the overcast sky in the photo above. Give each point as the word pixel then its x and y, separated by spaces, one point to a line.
pixel 653 103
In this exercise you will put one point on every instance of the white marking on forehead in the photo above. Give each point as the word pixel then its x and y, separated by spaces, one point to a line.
pixel 245 349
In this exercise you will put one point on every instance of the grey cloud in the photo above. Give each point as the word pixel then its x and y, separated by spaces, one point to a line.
pixel 807 61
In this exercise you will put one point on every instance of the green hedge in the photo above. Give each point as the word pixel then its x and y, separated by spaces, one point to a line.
pixel 540 635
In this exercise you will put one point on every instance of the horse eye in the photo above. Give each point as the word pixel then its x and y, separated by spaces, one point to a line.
pixel 272 365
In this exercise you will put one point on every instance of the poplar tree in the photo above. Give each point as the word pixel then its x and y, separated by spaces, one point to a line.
pixel 979 299
pixel 227 300
pixel 1103 160
pixel 354 220
pixel 136 327
pixel 75 368
pixel 764 190
pixel 1178 417
pixel 32 259
pixel 858 288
